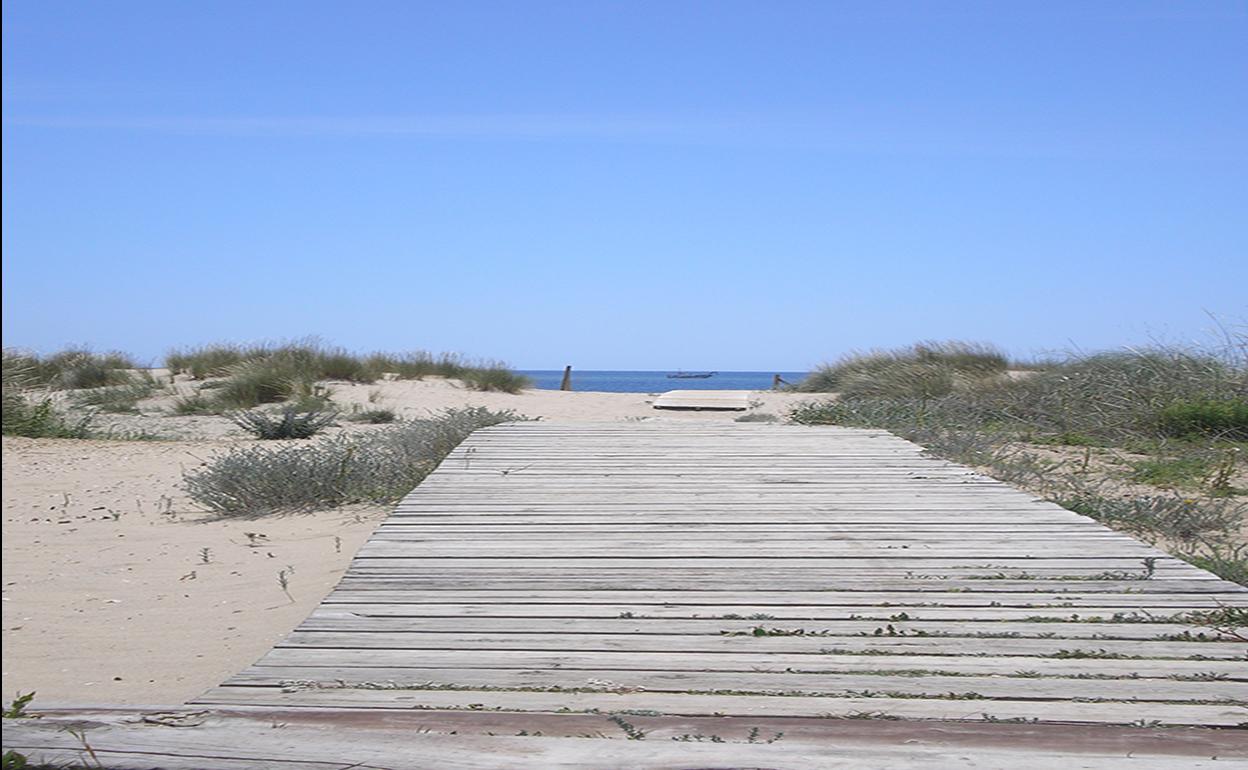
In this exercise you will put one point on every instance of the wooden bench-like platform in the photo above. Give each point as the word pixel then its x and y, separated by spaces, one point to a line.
pixel 736 400
pixel 737 580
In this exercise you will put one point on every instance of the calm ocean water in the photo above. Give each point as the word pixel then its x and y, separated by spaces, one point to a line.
pixel 656 382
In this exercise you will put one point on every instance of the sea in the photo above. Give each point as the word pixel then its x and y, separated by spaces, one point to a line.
pixel 655 382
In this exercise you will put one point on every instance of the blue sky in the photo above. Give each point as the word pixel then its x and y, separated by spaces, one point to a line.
pixel 624 185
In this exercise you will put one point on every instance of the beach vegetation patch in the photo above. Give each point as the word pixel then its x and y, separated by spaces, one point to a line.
pixel 1149 441
pixel 289 423
pixel 210 360
pixel 1224 418
pixel 254 375
pixel 923 370
pixel 374 416
pixel 377 466
pixel 495 377
pixel 121 398
pixel 72 369
pixel 757 417
pixel 417 365
pixel 33 414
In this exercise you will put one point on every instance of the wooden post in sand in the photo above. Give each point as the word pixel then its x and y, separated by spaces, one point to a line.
pixel 776 382
pixel 567 379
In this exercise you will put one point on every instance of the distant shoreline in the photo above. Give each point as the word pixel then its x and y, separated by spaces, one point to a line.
pixel 655 381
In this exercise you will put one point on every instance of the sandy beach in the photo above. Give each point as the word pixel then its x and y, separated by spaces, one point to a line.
pixel 118 590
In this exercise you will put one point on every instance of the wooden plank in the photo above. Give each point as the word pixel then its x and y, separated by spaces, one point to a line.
pixel 386 544
pixel 756 661
pixel 778 603
pixel 587 581
pixel 672 578
pixel 1059 616
pixel 812 645
pixel 709 530
pixel 821 685
pixel 337 620
pixel 738 400
pixel 736 705
pixel 312 739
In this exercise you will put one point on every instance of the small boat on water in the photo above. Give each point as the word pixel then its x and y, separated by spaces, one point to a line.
pixel 691 375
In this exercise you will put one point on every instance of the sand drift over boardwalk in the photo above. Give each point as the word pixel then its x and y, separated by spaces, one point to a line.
pixel 752 570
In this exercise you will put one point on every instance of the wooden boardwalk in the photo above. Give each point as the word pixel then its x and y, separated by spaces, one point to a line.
pixel 751 570
pixel 726 595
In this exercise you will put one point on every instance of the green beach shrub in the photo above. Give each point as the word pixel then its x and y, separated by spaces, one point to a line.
pixel 372 466
pixel 1225 418
pixel 289 423
pixel 757 417
pixel 374 416
pixel 495 377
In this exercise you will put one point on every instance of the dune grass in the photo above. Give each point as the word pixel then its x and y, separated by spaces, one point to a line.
pixel 1185 408
pixel 211 360
pixel 374 466
pixel 495 377
pixel 229 377
pixel 265 374
pixel 71 369
pixel 315 360
pixel 34 415
pixel 121 398
pixel 1107 397
pixel 417 365
pixel 267 380
pixel 41 419
pixel 923 370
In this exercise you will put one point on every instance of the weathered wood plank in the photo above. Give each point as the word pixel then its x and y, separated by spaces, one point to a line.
pixel 738 400
pixel 265 738
pixel 1062 616
pixel 680 660
pixel 814 645
pixel 347 620
pixel 674 578
pixel 744 682
pixel 736 705
pixel 885 601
